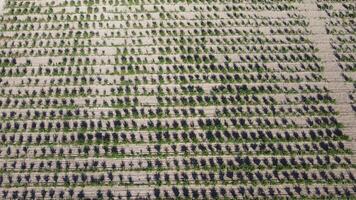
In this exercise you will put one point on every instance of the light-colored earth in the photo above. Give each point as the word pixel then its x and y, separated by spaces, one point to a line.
pixel 177 99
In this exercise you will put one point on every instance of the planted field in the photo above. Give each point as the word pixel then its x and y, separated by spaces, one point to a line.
pixel 177 99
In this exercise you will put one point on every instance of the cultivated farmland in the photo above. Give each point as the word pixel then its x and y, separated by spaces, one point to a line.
pixel 177 99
